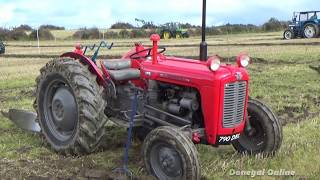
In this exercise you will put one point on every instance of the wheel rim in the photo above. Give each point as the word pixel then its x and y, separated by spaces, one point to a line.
pixel 178 36
pixel 60 110
pixel 309 31
pixel 165 161
pixel 255 138
pixel 288 35
pixel 166 35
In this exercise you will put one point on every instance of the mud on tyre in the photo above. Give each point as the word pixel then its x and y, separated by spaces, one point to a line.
pixel 265 134
pixel 70 107
pixel 169 154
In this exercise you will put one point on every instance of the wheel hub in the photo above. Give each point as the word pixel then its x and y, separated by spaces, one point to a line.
pixel 288 35
pixel 309 31
pixel 169 161
pixel 57 108
pixel 64 109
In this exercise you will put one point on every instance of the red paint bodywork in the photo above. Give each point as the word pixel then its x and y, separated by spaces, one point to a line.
pixel 185 72
pixel 210 85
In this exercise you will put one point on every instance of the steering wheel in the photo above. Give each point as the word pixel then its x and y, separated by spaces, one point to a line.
pixel 149 50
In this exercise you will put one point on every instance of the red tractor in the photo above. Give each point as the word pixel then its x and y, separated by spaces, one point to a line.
pixel 181 102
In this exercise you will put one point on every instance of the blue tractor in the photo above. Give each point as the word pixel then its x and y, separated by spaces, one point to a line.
pixel 304 24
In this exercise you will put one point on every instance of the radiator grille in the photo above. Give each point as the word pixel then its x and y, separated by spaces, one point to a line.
pixel 233 105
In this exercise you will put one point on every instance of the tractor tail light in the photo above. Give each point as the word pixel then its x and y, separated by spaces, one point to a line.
pixel 243 60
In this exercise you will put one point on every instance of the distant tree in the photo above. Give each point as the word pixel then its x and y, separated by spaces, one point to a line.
pixel 122 25
pixel 149 26
pixel 17 35
pixel 272 25
pixel 111 35
pixel 124 34
pixel 187 26
pixel 84 33
pixel 139 33
pixel 44 34
pixel 51 27
pixel 4 34
pixel 23 27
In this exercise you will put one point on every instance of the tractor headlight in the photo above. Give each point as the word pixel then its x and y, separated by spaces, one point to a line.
pixel 214 63
pixel 243 60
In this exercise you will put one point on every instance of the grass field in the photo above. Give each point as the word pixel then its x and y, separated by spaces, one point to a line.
pixel 280 76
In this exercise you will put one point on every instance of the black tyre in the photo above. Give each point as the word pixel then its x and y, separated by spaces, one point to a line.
pixel 70 107
pixel 185 35
pixel 179 35
pixel 169 154
pixel 288 34
pixel 265 135
pixel 311 31
pixel 2 48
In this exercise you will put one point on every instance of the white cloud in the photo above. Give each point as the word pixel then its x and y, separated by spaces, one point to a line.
pixel 6 13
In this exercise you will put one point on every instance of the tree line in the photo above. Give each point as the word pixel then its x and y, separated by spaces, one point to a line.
pixel 25 32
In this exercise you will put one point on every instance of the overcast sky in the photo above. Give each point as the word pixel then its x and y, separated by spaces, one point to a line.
pixel 103 13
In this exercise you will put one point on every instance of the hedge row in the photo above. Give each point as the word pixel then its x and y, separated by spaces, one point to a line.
pixel 21 35
pixel 94 33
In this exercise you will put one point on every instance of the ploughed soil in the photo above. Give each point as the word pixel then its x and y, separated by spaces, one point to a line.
pixel 50 165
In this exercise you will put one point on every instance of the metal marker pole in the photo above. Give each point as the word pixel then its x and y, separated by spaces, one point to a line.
pixel 38 40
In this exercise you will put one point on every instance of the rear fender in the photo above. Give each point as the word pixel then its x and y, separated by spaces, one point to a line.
pixel 92 66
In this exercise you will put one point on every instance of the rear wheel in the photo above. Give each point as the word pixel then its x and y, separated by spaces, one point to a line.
pixel 70 107
pixel 166 35
pixel 265 134
pixel 169 154
pixel 311 30
pixel 288 34
pixel 185 35
pixel 2 48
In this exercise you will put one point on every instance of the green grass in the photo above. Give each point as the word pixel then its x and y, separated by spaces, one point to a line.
pixel 280 76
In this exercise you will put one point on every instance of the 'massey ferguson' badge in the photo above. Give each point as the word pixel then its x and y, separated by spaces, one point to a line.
pixel 238 75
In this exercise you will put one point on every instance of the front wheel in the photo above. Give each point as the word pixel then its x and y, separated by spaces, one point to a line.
pixel 288 34
pixel 169 154
pixel 178 35
pixel 264 134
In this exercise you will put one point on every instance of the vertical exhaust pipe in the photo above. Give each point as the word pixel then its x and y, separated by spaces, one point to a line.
pixel 203 44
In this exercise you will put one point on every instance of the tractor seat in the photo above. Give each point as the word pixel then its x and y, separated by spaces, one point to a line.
pixel 117 64
pixel 124 74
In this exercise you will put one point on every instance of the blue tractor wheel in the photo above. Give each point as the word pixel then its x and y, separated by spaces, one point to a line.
pixel 311 30
pixel 288 34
